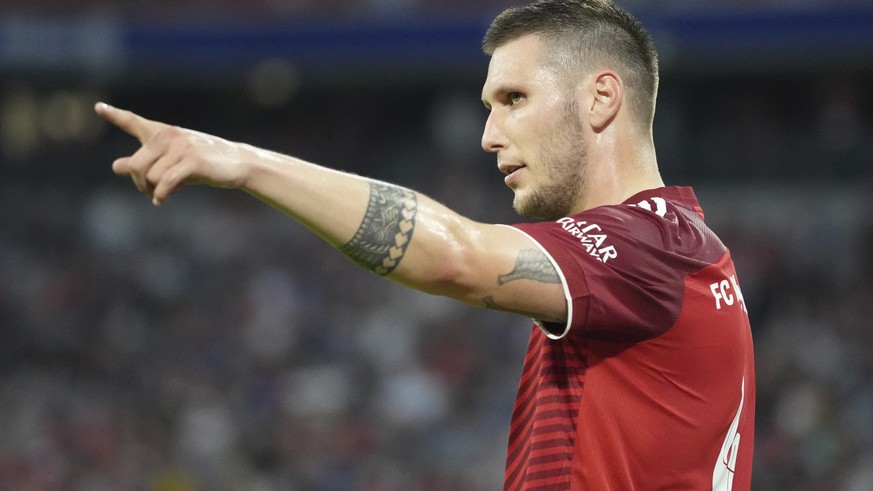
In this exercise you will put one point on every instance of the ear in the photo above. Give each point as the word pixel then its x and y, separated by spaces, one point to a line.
pixel 607 95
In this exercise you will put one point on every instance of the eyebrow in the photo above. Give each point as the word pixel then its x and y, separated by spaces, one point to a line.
pixel 500 90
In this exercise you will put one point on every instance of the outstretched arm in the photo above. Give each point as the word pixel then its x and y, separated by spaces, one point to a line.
pixel 387 229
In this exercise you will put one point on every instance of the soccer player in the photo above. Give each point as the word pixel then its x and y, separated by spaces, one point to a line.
pixel 639 373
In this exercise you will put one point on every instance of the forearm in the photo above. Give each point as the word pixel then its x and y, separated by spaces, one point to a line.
pixel 328 202
pixel 384 228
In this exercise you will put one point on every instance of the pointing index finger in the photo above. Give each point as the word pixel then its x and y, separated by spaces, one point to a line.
pixel 133 124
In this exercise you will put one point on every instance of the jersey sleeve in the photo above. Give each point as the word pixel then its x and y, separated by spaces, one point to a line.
pixel 623 269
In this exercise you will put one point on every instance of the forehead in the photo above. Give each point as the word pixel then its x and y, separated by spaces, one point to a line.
pixel 518 62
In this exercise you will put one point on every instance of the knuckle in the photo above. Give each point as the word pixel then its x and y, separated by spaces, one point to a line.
pixel 171 131
pixel 168 134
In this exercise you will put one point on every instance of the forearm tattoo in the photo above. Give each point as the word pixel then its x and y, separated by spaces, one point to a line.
pixel 385 233
pixel 531 264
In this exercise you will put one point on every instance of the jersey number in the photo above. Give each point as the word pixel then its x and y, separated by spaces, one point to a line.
pixel 723 474
pixel 660 207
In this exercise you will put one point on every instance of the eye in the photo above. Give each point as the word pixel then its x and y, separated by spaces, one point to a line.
pixel 515 98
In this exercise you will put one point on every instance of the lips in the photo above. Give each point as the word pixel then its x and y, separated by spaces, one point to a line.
pixel 511 171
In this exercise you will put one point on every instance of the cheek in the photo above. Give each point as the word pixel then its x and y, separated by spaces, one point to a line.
pixel 529 129
pixel 534 127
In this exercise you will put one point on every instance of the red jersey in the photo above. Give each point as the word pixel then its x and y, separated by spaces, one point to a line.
pixel 650 385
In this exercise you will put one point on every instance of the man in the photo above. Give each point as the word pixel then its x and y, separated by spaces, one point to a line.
pixel 639 372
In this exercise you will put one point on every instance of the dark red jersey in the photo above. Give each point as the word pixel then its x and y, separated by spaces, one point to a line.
pixel 650 385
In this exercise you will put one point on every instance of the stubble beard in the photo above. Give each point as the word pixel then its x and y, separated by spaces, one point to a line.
pixel 564 157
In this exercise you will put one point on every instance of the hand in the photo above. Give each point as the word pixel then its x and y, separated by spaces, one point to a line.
pixel 171 157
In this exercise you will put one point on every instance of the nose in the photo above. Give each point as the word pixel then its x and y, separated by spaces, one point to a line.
pixel 492 138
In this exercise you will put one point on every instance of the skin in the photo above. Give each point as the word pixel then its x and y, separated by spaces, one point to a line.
pixel 564 149
pixel 535 130
pixel 541 145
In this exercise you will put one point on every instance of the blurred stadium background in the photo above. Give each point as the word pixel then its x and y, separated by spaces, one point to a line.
pixel 213 344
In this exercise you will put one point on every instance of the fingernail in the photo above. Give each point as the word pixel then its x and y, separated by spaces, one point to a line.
pixel 156 202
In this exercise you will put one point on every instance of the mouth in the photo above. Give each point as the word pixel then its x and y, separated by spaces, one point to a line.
pixel 511 171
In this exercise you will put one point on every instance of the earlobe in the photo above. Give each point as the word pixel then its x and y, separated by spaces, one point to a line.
pixel 608 96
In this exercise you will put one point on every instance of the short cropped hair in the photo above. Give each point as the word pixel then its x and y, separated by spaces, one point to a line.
pixel 588 35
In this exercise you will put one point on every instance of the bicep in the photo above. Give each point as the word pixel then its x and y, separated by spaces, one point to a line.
pixel 496 267
pixel 527 282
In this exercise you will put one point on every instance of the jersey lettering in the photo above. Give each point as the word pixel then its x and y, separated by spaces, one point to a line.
pixel 727 291
pixel 591 236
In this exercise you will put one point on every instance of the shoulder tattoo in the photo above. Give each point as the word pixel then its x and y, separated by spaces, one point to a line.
pixel 386 230
pixel 531 264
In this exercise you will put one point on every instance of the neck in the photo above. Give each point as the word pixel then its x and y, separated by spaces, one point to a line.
pixel 619 170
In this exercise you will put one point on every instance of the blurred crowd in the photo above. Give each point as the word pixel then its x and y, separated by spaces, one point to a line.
pixel 214 344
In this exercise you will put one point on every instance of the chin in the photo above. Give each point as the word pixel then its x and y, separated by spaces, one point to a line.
pixel 522 207
pixel 537 208
pixel 536 214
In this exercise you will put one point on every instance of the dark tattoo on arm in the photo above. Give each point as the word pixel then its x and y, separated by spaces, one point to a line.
pixel 531 264
pixel 385 233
